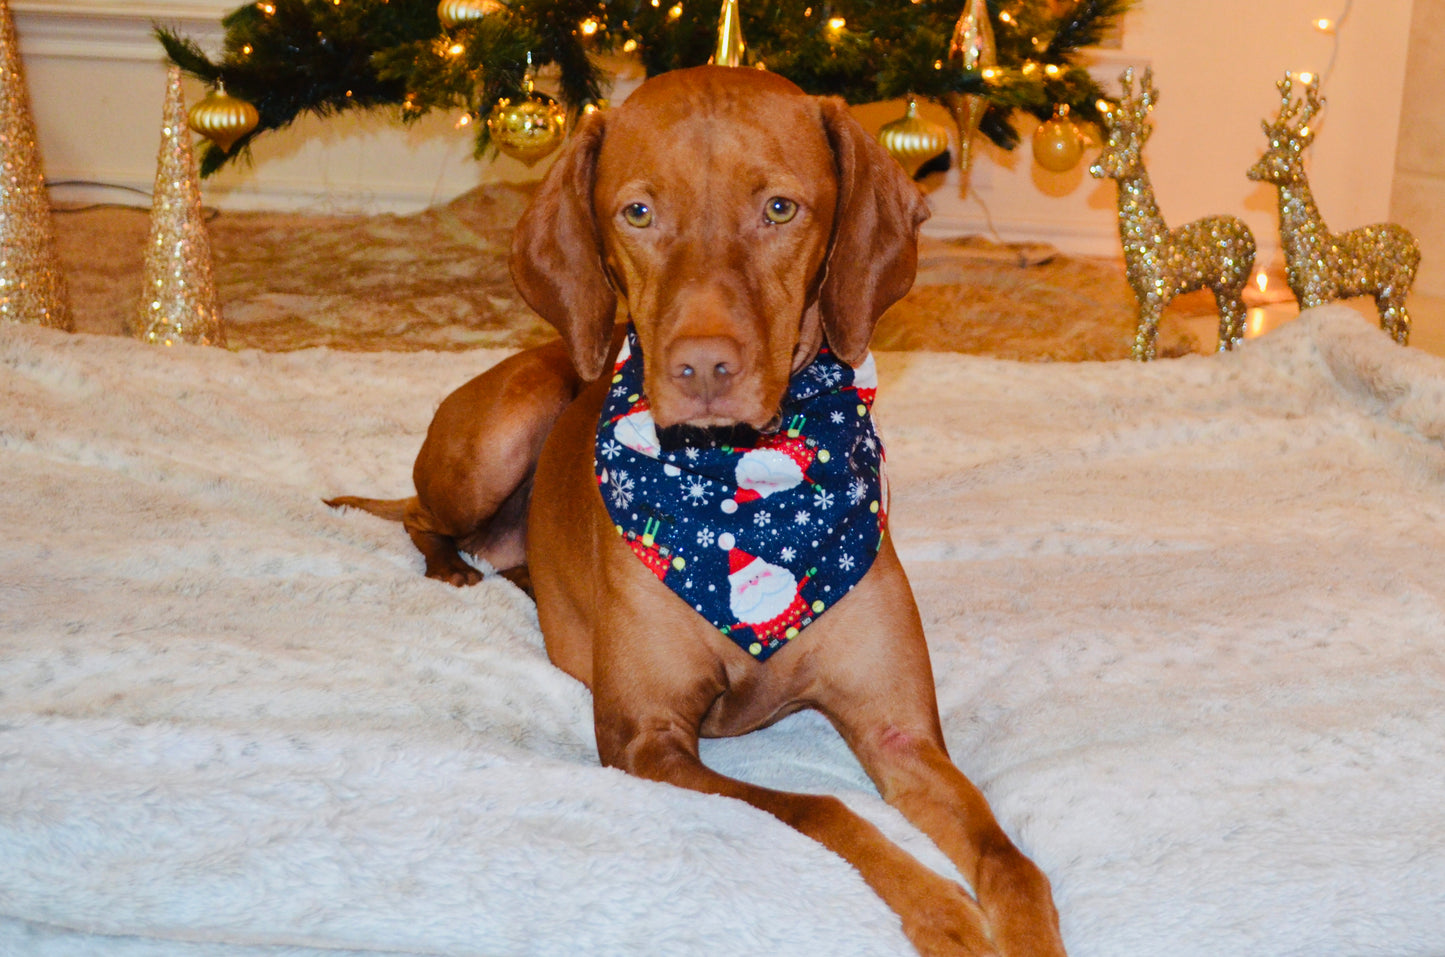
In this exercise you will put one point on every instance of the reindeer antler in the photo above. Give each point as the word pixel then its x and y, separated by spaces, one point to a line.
pixel 1301 111
pixel 1148 95
pixel 1132 113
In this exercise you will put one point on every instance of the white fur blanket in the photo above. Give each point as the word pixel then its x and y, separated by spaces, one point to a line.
pixel 1187 622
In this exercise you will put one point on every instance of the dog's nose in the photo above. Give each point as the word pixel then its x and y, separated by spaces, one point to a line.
pixel 705 367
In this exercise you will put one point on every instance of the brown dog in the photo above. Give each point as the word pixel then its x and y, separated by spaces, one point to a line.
pixel 744 225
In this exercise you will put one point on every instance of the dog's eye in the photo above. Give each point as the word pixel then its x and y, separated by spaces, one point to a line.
pixel 638 215
pixel 779 210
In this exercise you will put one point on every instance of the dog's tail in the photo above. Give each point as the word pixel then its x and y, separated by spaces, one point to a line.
pixel 393 509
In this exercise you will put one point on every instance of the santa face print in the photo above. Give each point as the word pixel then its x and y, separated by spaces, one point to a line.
pixel 761 592
pixel 766 471
pixel 638 432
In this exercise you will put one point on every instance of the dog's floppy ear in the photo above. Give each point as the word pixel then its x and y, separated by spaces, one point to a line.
pixel 874 254
pixel 557 254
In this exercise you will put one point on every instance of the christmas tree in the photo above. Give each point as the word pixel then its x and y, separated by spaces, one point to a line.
pixel 287 57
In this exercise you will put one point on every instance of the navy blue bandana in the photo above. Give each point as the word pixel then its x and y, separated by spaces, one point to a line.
pixel 762 539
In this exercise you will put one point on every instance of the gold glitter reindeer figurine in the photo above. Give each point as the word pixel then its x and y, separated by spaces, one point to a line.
pixel 1215 252
pixel 1378 260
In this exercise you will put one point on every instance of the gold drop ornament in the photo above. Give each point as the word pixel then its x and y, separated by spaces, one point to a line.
pixel 972 48
pixel 452 12
pixel 528 127
pixel 913 140
pixel 223 119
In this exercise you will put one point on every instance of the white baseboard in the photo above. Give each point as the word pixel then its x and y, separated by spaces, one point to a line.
pixel 112 30
pixel 1075 239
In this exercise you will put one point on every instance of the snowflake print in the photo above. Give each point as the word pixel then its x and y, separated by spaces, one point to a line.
pixel 611 449
pixel 869 443
pixel 622 488
pixel 705 537
pixel 828 376
pixel 837 417
pixel 857 490
pixel 762 519
pixel 801 517
pixel 691 453
pixel 619 391
pixel 846 563
pixel 823 499
pixel 787 554
pixel 697 491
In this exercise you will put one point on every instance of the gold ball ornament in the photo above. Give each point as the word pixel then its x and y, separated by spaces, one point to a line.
pixel 912 140
pixel 223 119
pixel 1058 147
pixel 528 127
pixel 452 12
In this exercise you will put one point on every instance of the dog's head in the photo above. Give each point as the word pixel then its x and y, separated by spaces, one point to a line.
pixel 741 221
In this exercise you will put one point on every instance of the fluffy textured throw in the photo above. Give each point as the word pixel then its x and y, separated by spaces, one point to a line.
pixel 1186 617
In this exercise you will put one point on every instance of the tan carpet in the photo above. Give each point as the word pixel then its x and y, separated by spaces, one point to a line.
pixel 438 280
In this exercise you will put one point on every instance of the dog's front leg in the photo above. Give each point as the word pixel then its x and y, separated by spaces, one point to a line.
pixel 915 775
pixel 654 683
pixel 880 697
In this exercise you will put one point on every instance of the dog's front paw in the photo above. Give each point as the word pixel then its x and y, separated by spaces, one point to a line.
pixel 456 572
pixel 944 921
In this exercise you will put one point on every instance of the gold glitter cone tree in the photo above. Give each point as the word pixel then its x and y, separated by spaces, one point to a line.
pixel 178 302
pixel 32 287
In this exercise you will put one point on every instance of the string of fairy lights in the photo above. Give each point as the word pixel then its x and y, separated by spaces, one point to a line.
pixel 287 57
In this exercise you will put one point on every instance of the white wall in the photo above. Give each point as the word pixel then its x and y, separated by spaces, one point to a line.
pixel 1418 201
pixel 97 85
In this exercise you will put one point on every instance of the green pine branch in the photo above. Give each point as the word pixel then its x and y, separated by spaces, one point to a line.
pixel 289 57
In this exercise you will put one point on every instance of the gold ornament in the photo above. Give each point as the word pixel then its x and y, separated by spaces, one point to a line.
pixel 972 48
pixel 32 287
pixel 1322 266
pixel 1057 144
pixel 178 298
pixel 1216 252
pixel 912 140
pixel 223 119
pixel 527 127
pixel 730 46
pixel 452 12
